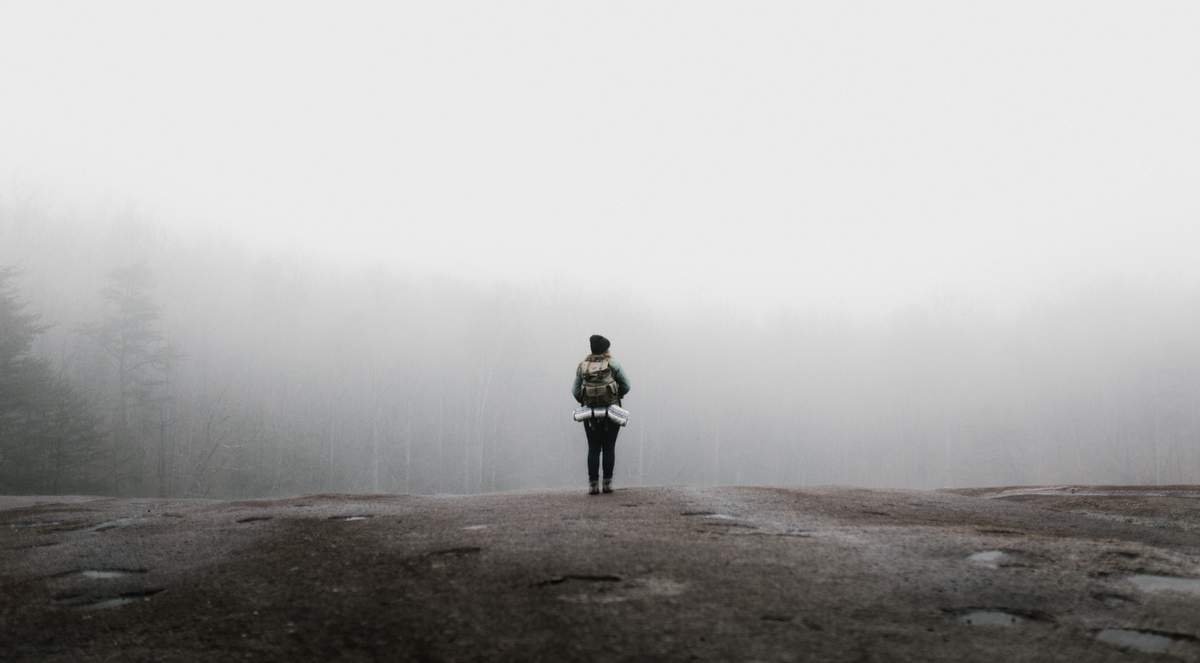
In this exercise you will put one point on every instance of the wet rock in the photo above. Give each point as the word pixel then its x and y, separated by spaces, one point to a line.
pixel 1148 641
pixel 1157 583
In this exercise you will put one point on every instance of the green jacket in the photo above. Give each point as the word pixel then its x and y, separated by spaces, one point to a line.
pixel 618 375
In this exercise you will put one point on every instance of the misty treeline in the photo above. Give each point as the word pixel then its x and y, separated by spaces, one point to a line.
pixel 141 361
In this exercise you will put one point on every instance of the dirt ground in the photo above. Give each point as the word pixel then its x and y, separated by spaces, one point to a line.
pixel 1068 573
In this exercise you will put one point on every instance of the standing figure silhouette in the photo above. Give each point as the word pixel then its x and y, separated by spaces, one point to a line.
pixel 600 382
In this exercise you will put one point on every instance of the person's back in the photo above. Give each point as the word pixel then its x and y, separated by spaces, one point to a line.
pixel 600 383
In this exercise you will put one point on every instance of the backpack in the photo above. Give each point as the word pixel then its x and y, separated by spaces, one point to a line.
pixel 597 386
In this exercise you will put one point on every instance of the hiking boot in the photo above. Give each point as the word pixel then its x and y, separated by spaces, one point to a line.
pixel 593 488
pixel 608 485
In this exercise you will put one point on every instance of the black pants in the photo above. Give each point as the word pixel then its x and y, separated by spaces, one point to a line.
pixel 601 436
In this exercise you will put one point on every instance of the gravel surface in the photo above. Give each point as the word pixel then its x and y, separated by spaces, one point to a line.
pixel 1063 573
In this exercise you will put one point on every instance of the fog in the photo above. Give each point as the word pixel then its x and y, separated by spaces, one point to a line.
pixel 279 248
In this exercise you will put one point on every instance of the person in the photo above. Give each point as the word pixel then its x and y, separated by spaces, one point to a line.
pixel 600 381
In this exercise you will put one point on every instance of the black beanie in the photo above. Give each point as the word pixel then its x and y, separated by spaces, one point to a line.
pixel 599 344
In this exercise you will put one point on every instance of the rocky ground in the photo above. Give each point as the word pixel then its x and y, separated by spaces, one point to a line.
pixel 1073 573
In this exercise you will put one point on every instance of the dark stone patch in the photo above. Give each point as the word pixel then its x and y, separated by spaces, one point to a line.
pixel 254 519
pixel 1022 558
pixel 72 528
pixel 698 513
pixel 999 531
pixel 582 577
pixel 1113 600
pixel 1017 615
pixel 456 552
pixel 102 572
pixel 42 544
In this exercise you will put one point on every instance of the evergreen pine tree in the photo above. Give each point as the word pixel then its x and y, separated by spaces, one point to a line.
pixel 48 434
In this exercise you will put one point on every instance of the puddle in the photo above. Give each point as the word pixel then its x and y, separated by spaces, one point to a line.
pixel 34 523
pixel 350 518
pixel 558 580
pixel 475 528
pixel 1148 642
pixel 109 603
pixel 108 574
pixel 1007 558
pixel 100 574
pixel 1152 583
pixel 712 515
pixel 663 586
pixel 1074 491
pixel 614 592
pixel 119 523
pixel 123 599
pixel 988 558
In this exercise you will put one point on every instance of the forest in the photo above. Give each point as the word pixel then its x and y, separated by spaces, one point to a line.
pixel 140 361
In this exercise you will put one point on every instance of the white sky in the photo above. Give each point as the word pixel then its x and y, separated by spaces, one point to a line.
pixel 856 152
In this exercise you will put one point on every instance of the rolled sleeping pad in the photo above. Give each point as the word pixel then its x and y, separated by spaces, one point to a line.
pixel 618 415
pixel 583 413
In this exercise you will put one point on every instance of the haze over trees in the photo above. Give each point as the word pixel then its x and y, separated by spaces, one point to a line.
pixel 284 247
pixel 140 361
pixel 49 435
